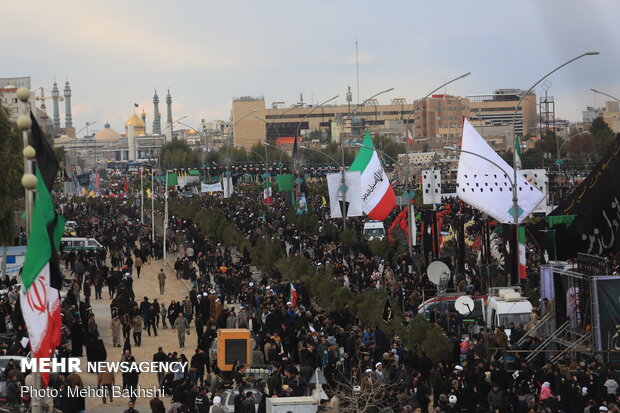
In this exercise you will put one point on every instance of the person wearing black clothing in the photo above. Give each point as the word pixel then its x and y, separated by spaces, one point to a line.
pixel 12 390
pixel 157 406
pixel 249 405
pixel 160 356
pixel 197 367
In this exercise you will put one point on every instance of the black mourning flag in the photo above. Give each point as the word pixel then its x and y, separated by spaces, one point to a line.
pixel 596 204
pixel 46 157
pixel 387 311
pixel 48 168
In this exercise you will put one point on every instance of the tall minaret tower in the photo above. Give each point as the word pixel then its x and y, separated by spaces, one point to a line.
pixel 143 116
pixel 156 115
pixel 169 107
pixel 55 98
pixel 169 115
pixel 68 117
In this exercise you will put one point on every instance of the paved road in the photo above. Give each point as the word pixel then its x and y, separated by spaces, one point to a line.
pixel 146 285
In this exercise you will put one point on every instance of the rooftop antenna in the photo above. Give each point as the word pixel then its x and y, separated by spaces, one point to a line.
pixel 357 70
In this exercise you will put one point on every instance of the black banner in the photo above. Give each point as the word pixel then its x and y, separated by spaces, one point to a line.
pixel 596 204
pixel 83 180
pixel 609 306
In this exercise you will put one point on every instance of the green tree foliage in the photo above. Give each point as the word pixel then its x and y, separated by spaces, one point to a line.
pixel 178 154
pixel 266 253
pixel 379 247
pixel 12 162
pixel 602 136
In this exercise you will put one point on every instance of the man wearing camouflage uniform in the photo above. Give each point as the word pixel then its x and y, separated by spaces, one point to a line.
pixel 161 277
pixel 181 325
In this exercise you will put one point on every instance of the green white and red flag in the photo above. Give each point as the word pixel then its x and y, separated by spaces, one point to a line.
pixel 378 198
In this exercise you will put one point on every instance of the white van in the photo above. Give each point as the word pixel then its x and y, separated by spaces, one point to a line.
pixel 82 244
pixel 374 230
pixel 507 305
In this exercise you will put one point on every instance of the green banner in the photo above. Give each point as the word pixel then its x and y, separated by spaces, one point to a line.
pixel 285 182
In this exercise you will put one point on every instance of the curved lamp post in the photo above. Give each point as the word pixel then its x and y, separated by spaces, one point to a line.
pixel 515 196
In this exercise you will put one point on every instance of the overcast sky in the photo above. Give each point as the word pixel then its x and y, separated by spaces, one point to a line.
pixel 115 52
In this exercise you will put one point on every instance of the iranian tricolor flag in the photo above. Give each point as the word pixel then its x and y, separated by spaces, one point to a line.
pixel 378 197
pixel 41 276
pixel 293 297
pixel 522 258
pixel 267 193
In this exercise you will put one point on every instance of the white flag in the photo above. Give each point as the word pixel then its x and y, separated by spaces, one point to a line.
pixel 217 187
pixel 227 184
pixel 431 186
pixel 487 187
pixel 352 192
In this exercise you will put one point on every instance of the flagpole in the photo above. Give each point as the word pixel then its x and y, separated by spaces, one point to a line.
pixel 165 214
pixel 515 279
pixel 153 208
pixel 29 181
pixel 141 195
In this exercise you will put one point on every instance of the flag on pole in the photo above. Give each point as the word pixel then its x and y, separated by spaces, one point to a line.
pixel 267 193
pixel 522 257
pixel 409 137
pixel 387 311
pixel 378 197
pixel 518 152
pixel 40 299
pixel 285 182
pixel 293 296
pixel 485 181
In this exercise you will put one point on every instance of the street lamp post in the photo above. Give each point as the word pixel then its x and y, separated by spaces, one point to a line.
pixel 515 196
pixel 408 172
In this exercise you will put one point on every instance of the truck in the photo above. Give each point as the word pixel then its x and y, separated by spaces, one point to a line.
pixel 374 230
pixel 506 305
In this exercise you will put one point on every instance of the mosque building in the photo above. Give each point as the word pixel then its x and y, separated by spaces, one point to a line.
pixel 134 145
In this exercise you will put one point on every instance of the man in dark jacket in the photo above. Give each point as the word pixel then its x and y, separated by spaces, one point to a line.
pixel 157 406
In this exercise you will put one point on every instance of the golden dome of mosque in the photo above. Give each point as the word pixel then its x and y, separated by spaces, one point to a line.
pixel 107 134
pixel 138 125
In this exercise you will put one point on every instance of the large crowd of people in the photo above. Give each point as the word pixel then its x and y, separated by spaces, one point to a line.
pixel 362 364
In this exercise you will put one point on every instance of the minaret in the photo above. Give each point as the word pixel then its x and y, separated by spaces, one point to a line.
pixel 169 115
pixel 55 98
pixel 68 117
pixel 169 107
pixel 156 115
pixel 143 116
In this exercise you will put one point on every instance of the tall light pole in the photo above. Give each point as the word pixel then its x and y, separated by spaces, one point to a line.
pixel 309 113
pixel 605 94
pixel 232 132
pixel 515 166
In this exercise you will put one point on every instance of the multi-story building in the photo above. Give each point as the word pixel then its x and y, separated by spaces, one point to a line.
pixel 498 109
pixel 590 114
pixel 438 120
pixel 217 133
pixel 252 122
pixel 435 122
pixel 611 115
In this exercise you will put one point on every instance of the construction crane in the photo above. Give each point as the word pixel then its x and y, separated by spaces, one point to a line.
pixel 42 98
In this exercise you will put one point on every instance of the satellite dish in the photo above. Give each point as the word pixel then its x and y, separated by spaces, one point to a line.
pixel 437 270
pixel 464 305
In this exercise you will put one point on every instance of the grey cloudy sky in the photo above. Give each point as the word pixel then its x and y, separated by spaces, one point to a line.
pixel 116 51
